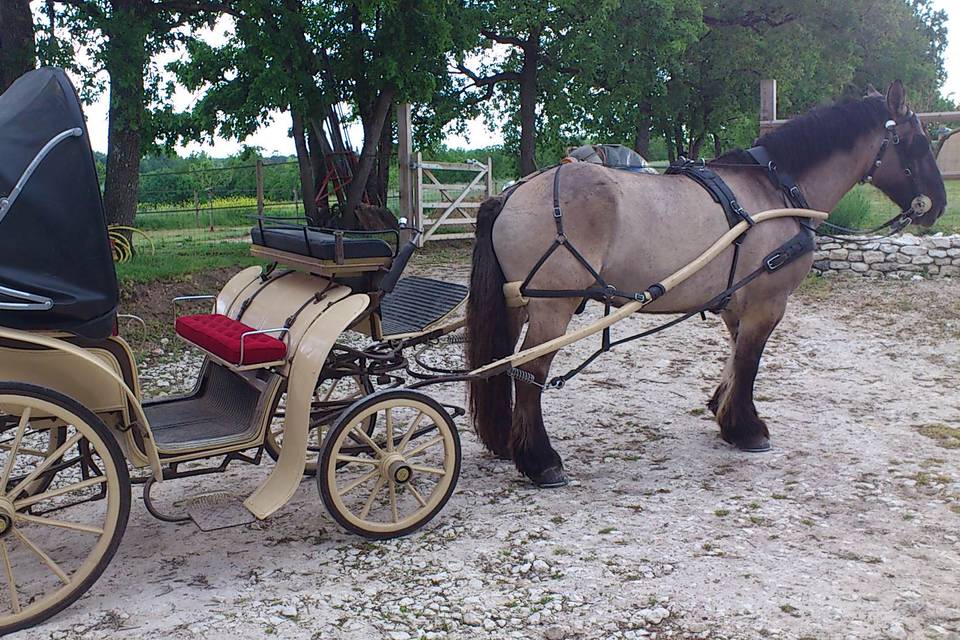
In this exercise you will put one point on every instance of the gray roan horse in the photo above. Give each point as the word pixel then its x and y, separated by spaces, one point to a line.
pixel 635 229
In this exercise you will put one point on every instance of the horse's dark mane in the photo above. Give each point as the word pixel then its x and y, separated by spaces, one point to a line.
pixel 809 139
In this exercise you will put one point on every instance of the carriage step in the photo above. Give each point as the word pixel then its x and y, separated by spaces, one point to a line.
pixel 416 303
pixel 217 510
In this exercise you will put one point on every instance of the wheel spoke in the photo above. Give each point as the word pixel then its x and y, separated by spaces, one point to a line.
pixel 423 447
pixel 416 494
pixel 436 471
pixel 409 434
pixel 11 583
pixel 393 500
pixel 359 481
pixel 389 415
pixel 373 494
pixel 63 524
pixel 21 427
pixel 357 459
pixel 24 451
pixel 43 556
pixel 53 493
pixel 367 440
pixel 333 387
pixel 43 466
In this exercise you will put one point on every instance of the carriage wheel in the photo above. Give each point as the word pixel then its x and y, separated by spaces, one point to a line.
pixel 63 510
pixel 401 474
pixel 330 398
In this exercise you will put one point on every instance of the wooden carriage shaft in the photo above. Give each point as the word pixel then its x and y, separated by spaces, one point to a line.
pixel 668 283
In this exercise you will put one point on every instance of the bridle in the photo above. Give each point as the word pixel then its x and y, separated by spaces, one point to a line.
pixel 920 204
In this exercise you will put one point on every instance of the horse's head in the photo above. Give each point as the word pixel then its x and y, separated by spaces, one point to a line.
pixel 907 171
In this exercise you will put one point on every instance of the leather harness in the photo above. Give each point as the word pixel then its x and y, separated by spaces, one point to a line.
pixel 721 193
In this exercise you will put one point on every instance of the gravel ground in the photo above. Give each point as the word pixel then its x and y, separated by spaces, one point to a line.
pixel 849 528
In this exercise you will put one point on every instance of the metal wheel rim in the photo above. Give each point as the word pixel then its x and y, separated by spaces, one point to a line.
pixel 111 476
pixel 437 495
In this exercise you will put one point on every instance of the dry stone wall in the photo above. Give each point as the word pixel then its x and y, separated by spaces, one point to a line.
pixel 901 256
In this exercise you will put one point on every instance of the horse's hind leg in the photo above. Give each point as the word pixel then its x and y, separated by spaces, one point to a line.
pixel 737 415
pixel 529 441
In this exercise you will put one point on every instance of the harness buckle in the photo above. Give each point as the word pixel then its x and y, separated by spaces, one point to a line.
pixel 557 213
pixel 737 209
pixel 777 260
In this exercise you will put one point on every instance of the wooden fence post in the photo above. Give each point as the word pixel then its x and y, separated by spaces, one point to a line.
pixel 404 154
pixel 418 220
pixel 490 185
pixel 768 102
pixel 259 188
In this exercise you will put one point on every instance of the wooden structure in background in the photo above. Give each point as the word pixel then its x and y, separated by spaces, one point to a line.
pixel 948 146
pixel 426 201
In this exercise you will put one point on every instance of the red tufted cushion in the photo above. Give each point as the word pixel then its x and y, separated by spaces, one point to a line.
pixel 220 336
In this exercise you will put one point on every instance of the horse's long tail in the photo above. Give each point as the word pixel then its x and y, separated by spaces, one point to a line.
pixel 490 335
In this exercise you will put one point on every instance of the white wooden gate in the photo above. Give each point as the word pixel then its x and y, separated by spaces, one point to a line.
pixel 439 205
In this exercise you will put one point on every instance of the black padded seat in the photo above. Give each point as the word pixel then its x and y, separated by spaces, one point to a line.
pixel 317 244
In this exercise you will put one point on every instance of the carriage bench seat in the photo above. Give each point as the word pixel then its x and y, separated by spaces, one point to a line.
pixel 317 244
pixel 225 338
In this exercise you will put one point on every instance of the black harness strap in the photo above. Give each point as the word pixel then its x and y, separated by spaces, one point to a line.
pixel 781 180
pixel 715 186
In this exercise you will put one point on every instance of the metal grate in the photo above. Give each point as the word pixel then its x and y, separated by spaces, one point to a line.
pixel 416 303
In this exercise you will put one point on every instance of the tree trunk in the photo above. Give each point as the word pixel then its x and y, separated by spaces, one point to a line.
pixel 368 155
pixel 17 49
pixel 126 61
pixel 717 146
pixel 641 137
pixel 528 104
pixel 695 145
pixel 384 154
pixel 308 191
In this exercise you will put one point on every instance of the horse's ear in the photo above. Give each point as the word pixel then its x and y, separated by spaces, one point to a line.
pixel 897 98
pixel 872 92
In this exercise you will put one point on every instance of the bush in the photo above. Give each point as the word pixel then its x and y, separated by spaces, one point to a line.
pixel 853 211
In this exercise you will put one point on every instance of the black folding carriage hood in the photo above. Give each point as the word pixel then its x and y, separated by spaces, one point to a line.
pixel 56 266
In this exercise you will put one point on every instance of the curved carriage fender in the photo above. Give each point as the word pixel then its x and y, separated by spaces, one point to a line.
pixel 235 287
pixel 153 457
pixel 308 361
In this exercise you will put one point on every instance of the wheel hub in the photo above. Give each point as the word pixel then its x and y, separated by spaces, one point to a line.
pixel 395 468
pixel 7 513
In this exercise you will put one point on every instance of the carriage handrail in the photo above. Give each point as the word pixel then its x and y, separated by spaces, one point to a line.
pixel 189 298
pixel 670 282
pixel 33 302
pixel 244 335
pixel 7 202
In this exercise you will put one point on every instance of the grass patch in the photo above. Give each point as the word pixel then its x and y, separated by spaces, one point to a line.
pixel 173 262
pixel 946 437
pixel 721 513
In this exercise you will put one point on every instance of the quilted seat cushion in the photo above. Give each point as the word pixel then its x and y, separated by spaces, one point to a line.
pixel 220 335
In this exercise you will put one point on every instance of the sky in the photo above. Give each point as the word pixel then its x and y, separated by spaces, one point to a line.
pixel 274 136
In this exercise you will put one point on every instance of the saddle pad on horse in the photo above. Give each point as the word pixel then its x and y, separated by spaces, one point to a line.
pixel 416 303
pixel 317 244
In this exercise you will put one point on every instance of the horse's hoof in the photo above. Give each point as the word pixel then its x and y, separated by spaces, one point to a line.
pixel 550 478
pixel 755 444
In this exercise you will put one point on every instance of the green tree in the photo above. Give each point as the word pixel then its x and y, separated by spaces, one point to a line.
pixel 121 37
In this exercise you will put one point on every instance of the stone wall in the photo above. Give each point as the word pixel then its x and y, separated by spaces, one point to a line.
pixel 897 257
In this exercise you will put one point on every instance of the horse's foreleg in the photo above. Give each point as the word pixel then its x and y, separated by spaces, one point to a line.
pixel 739 423
pixel 733 324
pixel 529 442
